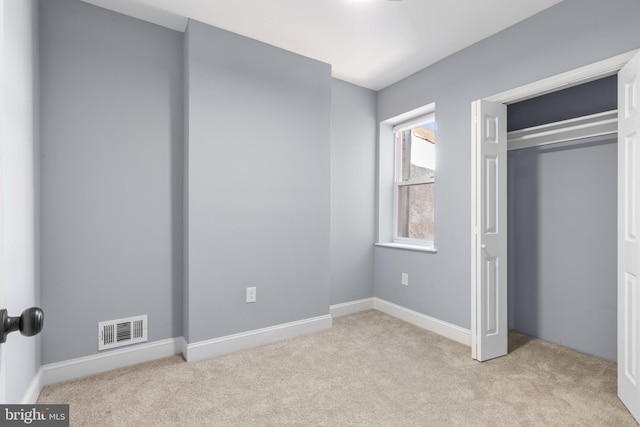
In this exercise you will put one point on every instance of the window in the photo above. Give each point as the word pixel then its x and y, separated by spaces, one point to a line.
pixel 414 181
pixel 406 180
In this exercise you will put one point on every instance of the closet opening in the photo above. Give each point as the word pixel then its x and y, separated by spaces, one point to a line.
pixel 562 217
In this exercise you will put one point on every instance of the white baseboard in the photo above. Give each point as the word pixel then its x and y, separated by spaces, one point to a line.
pixel 230 343
pixel 33 391
pixel 108 360
pixel 184 348
pixel 351 307
pixel 429 323
pixel 440 327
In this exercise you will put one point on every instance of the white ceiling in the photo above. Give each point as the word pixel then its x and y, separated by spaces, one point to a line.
pixel 371 43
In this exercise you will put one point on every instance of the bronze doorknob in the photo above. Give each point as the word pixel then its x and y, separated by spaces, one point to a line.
pixel 29 323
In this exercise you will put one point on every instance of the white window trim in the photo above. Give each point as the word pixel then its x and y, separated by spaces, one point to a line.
pixel 409 247
pixel 387 184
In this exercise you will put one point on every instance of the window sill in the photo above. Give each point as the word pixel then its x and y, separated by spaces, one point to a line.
pixel 408 247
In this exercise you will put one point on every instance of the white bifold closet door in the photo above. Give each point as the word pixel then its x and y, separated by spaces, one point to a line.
pixel 628 235
pixel 489 264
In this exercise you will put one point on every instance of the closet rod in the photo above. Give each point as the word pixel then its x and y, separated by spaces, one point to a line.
pixel 599 124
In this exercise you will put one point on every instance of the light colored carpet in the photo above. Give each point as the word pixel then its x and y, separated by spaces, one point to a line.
pixel 368 370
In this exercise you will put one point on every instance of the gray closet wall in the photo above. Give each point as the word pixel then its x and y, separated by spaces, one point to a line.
pixel 562 226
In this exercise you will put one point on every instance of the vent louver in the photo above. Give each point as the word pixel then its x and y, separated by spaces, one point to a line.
pixel 119 332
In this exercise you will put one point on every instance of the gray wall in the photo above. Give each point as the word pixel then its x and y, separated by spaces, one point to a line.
pixel 258 183
pixel 571 34
pixel 112 167
pixel 562 244
pixel 353 125
pixel 262 154
pixel 255 199
pixel 20 188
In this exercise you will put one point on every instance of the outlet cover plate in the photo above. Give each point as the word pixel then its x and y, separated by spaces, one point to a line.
pixel 251 294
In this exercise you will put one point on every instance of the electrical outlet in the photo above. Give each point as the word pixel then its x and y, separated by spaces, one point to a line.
pixel 405 279
pixel 251 294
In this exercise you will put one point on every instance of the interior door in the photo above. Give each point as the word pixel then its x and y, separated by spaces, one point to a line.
pixel 489 334
pixel 3 367
pixel 628 235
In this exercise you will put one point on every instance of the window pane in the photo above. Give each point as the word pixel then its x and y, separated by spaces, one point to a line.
pixel 417 151
pixel 415 211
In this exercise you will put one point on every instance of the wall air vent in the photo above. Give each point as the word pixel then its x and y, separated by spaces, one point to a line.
pixel 119 332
